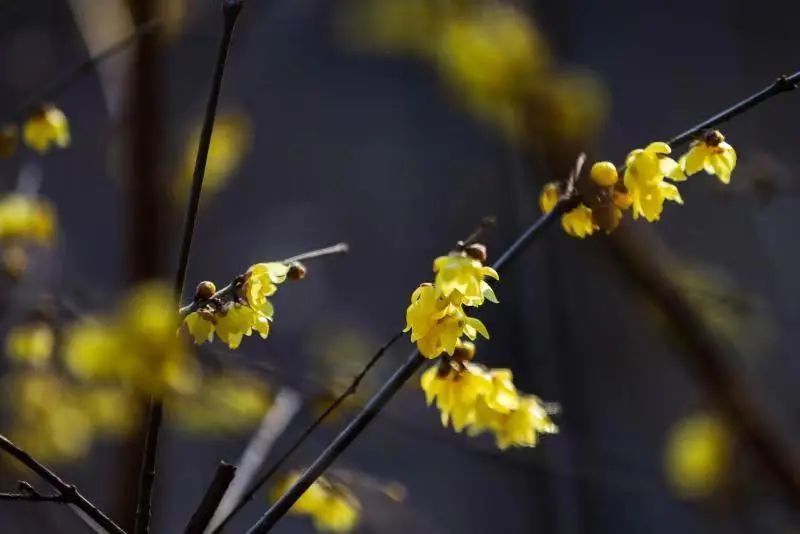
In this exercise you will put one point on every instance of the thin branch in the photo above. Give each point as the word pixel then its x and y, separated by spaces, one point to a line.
pixel 32 497
pixel 783 84
pixel 387 391
pixel 67 492
pixel 281 461
pixel 339 248
pixel 213 495
pixel 230 11
pixel 57 87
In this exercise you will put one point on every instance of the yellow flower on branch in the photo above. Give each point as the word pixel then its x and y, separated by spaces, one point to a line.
pixel 456 389
pixel 578 222
pixel 262 280
pixel 712 154
pixel 645 173
pixel 48 126
pixel 460 278
pixel 31 343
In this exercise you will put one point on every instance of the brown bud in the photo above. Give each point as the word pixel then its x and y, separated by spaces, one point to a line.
pixel 713 137
pixel 465 351
pixel 205 290
pixel 297 271
pixel 477 251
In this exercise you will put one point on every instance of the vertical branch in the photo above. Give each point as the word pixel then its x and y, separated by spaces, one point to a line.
pixel 216 490
pixel 230 11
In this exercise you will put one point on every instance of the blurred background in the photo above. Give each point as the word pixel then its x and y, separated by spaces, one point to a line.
pixel 395 125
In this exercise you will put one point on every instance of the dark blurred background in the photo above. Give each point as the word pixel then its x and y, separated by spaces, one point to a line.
pixel 371 149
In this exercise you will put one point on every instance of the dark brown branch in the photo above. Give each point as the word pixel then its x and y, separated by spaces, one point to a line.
pixel 67 492
pixel 213 495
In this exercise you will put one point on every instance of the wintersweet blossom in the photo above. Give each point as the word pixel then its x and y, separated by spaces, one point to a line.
pixel 31 343
pixel 331 506
pixel 578 222
pixel 460 278
pixel 712 154
pixel 645 173
pixel 24 217
pixel 456 390
pixel 48 126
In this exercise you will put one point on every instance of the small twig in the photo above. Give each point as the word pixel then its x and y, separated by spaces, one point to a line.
pixel 205 511
pixel 225 292
pixel 783 84
pixel 155 411
pixel 67 492
pixel 281 461
pixel 486 223
pixel 57 87
pixel 29 497
pixel 386 392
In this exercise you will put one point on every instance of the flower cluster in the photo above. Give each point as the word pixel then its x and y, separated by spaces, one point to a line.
pixel 479 400
pixel 648 181
pixel 241 308
pixel 136 347
pixel 436 316
pixel 330 505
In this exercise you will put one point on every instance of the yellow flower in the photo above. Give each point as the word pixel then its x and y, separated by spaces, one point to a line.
pixel 698 455
pixel 712 154
pixel 200 325
pixel 224 402
pixel 604 173
pixel 645 172
pixel 460 278
pixel 26 217
pixel 46 127
pixel 138 346
pixel 456 391
pixel 233 323
pixel 549 197
pixel 436 324
pixel 521 427
pixel 31 344
pixel 262 281
pixel 578 222
pixel 332 507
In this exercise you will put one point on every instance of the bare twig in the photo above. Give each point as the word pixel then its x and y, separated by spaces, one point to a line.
pixel 387 391
pixel 230 11
pixel 205 511
pixel 67 492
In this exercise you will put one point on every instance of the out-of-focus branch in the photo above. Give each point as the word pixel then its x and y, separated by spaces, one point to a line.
pixel 703 354
pixel 67 493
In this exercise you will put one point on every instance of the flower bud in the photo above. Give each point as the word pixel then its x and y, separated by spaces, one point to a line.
pixel 477 251
pixel 604 173
pixel 465 351
pixel 549 197
pixel 205 290
pixel 713 137
pixel 297 271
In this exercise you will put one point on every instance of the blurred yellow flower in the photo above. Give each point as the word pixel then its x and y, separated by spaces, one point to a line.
pixel 223 403
pixel 46 127
pixel 262 281
pixel 645 172
pixel 712 154
pixel 697 456
pixel 31 343
pixel 201 326
pixel 522 426
pixel 331 506
pixel 26 217
pixel 549 197
pixel 137 347
pixel 578 222
pixel 460 278
pixel 230 141
pixel 113 411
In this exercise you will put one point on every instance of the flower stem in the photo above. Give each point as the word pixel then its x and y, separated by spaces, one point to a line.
pixel 67 493
pixel 387 391
pixel 155 411
pixel 782 84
